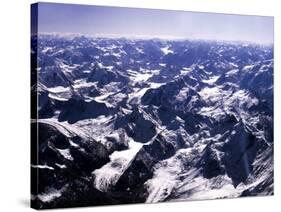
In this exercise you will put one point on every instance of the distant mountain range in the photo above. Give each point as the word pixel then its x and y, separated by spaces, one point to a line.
pixel 132 121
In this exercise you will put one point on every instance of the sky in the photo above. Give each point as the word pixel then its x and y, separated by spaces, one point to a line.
pixel 152 23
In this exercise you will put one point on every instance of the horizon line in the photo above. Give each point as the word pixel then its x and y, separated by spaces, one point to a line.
pixel 147 37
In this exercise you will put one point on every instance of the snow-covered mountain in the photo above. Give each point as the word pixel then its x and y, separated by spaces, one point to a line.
pixel 131 121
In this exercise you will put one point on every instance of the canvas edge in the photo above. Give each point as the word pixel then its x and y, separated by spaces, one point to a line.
pixel 33 102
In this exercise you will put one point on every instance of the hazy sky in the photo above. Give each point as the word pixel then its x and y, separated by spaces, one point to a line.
pixel 97 20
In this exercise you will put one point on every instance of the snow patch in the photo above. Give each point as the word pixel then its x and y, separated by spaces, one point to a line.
pixel 182 95
pixel 42 167
pixel 166 50
pixel 139 76
pixel 58 89
pixel 108 175
pixel 49 195
pixel 211 80
pixel 231 72
pixel 65 153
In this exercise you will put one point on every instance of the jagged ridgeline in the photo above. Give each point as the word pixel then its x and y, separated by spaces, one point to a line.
pixel 134 121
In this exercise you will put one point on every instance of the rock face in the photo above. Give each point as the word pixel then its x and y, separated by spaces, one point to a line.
pixel 130 121
pixel 137 125
pixel 75 109
pixel 66 163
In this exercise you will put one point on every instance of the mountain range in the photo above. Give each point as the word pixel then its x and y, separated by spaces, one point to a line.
pixel 149 120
